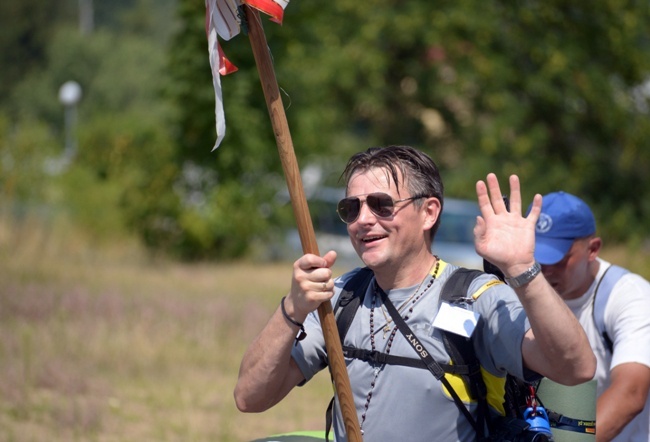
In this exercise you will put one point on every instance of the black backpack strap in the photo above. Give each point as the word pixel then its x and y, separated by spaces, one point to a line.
pixel 379 358
pixel 348 304
pixel 562 422
pixel 351 297
pixel 461 349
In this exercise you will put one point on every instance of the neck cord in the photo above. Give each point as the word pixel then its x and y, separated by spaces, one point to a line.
pixel 414 299
pixel 388 318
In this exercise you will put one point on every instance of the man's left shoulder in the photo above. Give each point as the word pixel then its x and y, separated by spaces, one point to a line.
pixel 477 281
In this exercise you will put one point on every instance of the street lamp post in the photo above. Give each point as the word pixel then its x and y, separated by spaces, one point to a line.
pixel 69 96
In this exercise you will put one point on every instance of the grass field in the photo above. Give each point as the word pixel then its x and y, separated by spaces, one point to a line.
pixel 100 343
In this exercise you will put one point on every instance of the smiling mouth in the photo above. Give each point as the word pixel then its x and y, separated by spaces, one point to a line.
pixel 370 239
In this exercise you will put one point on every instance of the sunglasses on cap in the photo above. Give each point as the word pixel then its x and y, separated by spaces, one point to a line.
pixel 381 204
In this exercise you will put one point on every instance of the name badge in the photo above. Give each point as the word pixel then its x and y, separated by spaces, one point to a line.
pixel 456 320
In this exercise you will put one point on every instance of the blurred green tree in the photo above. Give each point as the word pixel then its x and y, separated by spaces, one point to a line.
pixel 25 30
pixel 557 93
pixel 123 176
pixel 548 90
pixel 225 193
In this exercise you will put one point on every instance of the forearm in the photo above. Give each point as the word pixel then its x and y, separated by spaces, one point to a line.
pixel 623 400
pixel 267 372
pixel 557 347
pixel 613 413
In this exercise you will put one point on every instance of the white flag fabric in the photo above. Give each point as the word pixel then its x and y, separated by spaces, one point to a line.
pixel 223 20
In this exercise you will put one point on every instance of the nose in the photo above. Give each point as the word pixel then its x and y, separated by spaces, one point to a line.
pixel 365 214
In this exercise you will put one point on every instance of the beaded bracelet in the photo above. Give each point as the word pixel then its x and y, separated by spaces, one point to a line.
pixel 303 333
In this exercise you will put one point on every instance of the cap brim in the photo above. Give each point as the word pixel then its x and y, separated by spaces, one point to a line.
pixel 549 251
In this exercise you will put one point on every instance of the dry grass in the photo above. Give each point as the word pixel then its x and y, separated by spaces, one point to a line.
pixel 105 345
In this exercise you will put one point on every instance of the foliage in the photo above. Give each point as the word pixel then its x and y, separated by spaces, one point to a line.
pixel 231 186
pixel 547 90
pixel 24 148
pixel 555 92
pixel 25 29
pixel 122 178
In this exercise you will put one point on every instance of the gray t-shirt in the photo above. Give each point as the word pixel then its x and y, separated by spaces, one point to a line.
pixel 410 403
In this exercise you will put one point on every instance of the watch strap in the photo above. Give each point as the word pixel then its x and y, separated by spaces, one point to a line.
pixel 525 277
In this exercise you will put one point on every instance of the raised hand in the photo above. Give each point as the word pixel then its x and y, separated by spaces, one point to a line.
pixel 505 238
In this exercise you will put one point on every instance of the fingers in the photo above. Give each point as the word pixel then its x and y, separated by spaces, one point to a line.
pixel 535 208
pixel 490 196
pixel 313 273
pixel 496 198
pixel 310 261
pixel 483 198
pixel 515 194
pixel 490 202
pixel 312 283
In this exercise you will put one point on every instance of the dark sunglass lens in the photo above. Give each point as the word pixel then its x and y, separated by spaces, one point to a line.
pixel 381 204
pixel 348 209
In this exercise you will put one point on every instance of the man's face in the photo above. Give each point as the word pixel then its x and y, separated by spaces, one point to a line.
pixel 572 276
pixel 394 240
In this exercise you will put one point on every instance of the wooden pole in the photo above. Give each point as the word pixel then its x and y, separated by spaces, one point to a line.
pixel 301 213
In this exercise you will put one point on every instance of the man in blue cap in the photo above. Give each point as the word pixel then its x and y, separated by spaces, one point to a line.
pixel 613 306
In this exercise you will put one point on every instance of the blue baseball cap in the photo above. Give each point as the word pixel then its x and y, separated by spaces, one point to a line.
pixel 563 219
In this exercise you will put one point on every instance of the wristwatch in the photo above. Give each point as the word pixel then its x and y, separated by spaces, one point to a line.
pixel 525 277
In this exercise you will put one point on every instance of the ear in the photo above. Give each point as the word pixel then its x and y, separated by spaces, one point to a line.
pixel 431 211
pixel 595 245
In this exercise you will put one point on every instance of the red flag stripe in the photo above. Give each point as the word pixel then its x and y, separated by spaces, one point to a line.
pixel 225 66
pixel 268 7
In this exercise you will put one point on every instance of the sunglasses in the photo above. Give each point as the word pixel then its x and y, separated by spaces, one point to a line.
pixel 381 204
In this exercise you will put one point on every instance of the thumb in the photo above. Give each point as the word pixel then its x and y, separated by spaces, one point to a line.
pixel 330 257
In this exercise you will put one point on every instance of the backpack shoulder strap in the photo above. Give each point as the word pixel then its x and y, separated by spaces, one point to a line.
pixel 350 299
pixel 457 285
pixel 601 296
pixel 461 349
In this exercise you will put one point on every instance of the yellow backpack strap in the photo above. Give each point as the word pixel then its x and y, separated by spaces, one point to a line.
pixel 484 287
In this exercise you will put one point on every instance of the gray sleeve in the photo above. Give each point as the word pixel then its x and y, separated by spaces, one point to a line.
pixel 502 326
pixel 311 354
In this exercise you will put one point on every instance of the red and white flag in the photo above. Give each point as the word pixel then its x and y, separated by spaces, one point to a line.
pixel 222 19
